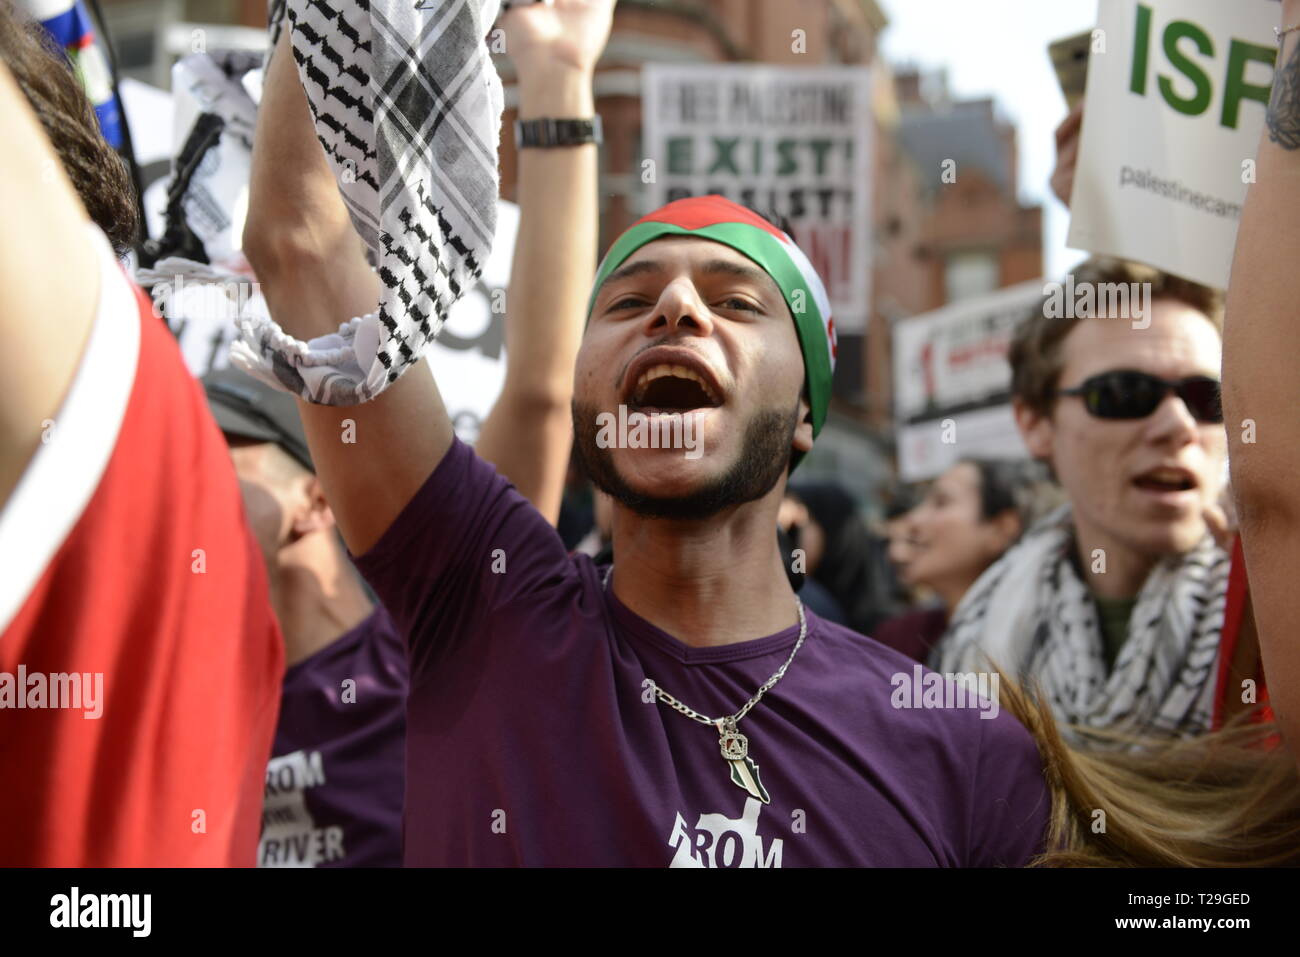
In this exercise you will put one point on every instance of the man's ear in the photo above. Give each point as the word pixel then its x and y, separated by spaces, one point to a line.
pixel 314 513
pixel 1035 428
pixel 803 432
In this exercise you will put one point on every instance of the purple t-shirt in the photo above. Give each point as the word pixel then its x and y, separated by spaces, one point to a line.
pixel 334 782
pixel 531 739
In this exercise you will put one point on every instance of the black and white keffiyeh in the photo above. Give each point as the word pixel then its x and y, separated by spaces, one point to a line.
pixel 407 106
pixel 1031 615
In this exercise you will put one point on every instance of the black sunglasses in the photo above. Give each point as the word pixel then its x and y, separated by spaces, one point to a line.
pixel 1129 394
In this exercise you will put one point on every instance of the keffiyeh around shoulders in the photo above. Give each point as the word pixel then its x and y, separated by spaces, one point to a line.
pixel 407 106
pixel 1031 615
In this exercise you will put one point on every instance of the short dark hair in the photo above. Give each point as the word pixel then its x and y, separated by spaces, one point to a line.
pixel 1035 352
pixel 55 93
pixel 773 217
pixel 1018 485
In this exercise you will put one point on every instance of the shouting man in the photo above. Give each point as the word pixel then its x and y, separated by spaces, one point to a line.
pixel 680 707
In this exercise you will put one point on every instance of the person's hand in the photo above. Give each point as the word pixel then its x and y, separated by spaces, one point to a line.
pixel 556 34
pixel 1221 519
pixel 1068 135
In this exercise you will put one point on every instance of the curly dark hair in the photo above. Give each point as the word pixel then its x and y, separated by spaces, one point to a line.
pixel 54 91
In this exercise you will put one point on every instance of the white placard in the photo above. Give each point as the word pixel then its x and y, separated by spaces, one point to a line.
pixel 790 140
pixel 988 433
pixel 1177 91
pixel 952 381
pixel 468 358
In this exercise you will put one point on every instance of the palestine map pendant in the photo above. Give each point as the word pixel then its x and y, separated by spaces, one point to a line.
pixel 735 751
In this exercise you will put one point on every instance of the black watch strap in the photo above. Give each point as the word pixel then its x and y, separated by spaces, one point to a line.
pixel 550 132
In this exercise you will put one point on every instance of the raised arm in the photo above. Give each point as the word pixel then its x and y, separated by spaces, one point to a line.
pixel 1261 375
pixel 312 268
pixel 48 283
pixel 528 433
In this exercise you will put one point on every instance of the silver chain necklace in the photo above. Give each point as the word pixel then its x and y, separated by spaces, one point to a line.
pixel 734 745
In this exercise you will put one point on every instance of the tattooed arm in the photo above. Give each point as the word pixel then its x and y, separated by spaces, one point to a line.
pixel 1261 374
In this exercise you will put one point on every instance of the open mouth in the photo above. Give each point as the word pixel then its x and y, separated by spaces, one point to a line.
pixel 1166 480
pixel 668 387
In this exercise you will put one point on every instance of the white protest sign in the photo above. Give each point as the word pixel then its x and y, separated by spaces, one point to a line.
pixel 791 140
pixel 149 112
pixel 1177 91
pixel 468 359
pixel 216 197
pixel 987 433
pixel 952 382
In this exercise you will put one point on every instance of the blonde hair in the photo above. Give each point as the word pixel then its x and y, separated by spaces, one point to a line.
pixel 1229 798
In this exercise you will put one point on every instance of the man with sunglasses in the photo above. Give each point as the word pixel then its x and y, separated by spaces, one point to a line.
pixel 1114 604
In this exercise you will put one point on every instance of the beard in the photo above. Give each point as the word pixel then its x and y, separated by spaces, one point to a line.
pixel 764 457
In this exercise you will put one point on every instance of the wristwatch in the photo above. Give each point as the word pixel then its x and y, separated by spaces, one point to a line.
pixel 550 132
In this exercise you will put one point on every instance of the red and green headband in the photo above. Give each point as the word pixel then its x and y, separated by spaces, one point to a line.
pixel 721 220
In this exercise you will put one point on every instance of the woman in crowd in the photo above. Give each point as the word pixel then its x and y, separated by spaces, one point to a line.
pixel 971 514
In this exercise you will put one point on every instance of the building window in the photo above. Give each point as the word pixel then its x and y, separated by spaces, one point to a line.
pixel 969 274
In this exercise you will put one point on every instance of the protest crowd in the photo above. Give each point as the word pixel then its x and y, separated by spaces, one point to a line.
pixel 288 612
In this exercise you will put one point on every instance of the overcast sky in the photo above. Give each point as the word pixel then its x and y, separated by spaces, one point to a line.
pixel 998 48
